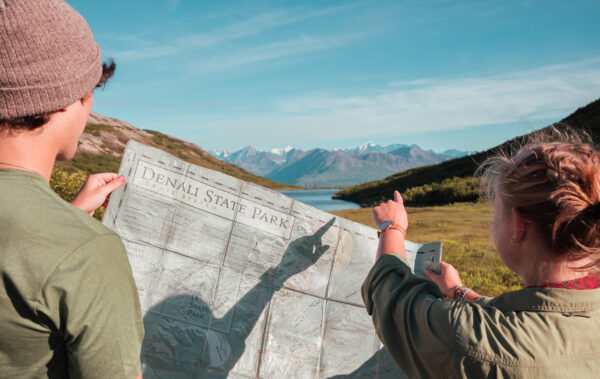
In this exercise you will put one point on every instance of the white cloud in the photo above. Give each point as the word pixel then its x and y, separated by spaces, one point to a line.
pixel 272 51
pixel 254 25
pixel 172 5
pixel 148 48
pixel 146 52
pixel 549 92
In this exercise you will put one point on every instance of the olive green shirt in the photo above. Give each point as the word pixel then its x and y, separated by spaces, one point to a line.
pixel 68 303
pixel 529 333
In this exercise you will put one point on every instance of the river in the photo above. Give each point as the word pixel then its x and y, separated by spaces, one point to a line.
pixel 320 198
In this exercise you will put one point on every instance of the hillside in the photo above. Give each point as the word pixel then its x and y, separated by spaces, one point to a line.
pixel 368 194
pixel 103 141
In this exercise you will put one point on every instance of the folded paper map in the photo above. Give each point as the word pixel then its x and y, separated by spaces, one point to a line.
pixel 239 281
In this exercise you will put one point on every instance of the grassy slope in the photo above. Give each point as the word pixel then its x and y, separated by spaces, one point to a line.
pixel 464 230
pixel 586 118
pixel 93 163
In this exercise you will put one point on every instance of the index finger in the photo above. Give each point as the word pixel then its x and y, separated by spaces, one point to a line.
pixel 397 197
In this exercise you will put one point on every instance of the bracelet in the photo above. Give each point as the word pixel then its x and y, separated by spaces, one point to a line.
pixel 460 292
pixel 388 225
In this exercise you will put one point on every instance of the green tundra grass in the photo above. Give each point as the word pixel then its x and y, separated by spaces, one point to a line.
pixel 464 229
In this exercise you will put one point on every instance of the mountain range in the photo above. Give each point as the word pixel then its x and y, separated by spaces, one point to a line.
pixel 332 168
pixel 584 120
pixel 102 144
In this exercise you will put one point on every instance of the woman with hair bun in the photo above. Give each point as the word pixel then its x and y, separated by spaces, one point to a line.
pixel 546 200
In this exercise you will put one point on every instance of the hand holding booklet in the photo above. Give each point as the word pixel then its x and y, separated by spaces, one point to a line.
pixel 236 279
pixel 423 256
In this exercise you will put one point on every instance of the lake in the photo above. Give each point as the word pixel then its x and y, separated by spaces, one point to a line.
pixel 320 198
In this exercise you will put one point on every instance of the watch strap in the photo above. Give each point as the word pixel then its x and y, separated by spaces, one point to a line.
pixel 392 225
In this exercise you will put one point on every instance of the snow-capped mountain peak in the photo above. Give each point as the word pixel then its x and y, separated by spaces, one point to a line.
pixel 281 151
pixel 323 167
pixel 220 154
pixel 366 147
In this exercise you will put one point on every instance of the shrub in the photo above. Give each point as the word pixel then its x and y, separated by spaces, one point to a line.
pixel 67 184
pixel 453 190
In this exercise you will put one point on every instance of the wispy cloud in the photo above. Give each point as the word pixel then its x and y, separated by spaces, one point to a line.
pixel 272 51
pixel 428 105
pixel 146 52
pixel 255 25
pixel 251 26
pixel 172 5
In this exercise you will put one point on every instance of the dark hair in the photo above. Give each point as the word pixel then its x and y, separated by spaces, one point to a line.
pixel 554 180
pixel 28 123
pixel 108 70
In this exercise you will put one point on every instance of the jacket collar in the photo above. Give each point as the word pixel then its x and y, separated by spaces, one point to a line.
pixel 548 300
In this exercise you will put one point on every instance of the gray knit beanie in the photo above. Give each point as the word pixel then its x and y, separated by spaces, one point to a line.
pixel 48 57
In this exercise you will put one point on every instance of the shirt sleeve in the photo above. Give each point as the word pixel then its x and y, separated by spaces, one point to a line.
pixel 93 302
pixel 411 318
pixel 484 301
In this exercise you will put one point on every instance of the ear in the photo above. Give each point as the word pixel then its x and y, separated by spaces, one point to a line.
pixel 87 98
pixel 84 100
pixel 520 226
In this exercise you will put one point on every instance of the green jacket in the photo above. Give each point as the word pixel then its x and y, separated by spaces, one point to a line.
pixel 529 333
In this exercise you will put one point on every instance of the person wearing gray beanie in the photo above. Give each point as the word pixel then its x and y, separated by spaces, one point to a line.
pixel 68 302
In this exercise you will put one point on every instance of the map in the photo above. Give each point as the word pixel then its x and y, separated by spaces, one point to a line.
pixel 239 281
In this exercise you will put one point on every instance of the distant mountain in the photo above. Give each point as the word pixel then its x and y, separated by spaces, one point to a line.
pixel 370 146
pixel 324 168
pixel 331 168
pixel 282 151
pixel 260 162
pixel 103 141
pixel 457 153
pixel 368 194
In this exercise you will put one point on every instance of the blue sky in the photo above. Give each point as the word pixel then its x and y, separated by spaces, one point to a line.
pixel 441 74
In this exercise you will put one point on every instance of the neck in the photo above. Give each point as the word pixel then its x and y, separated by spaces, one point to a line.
pixel 27 151
pixel 554 271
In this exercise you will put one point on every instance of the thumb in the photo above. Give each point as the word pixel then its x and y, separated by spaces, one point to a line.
pixel 434 277
pixel 111 186
pixel 430 274
pixel 444 266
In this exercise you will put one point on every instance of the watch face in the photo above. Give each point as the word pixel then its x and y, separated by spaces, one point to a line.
pixel 384 225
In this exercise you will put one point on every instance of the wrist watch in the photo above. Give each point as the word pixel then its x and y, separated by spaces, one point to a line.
pixel 387 225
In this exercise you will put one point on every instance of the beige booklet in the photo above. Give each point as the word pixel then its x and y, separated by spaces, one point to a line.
pixel 236 280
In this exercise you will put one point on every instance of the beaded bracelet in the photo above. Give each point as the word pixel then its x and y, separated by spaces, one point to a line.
pixel 457 290
pixel 460 292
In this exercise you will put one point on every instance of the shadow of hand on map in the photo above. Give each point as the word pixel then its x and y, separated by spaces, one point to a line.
pixel 299 255
pixel 184 339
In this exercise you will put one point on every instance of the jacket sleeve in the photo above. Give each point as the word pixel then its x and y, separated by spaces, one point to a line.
pixel 411 317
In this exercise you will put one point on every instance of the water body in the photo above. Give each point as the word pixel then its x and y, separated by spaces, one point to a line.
pixel 321 199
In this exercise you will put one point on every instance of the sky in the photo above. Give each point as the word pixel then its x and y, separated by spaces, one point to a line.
pixel 464 75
